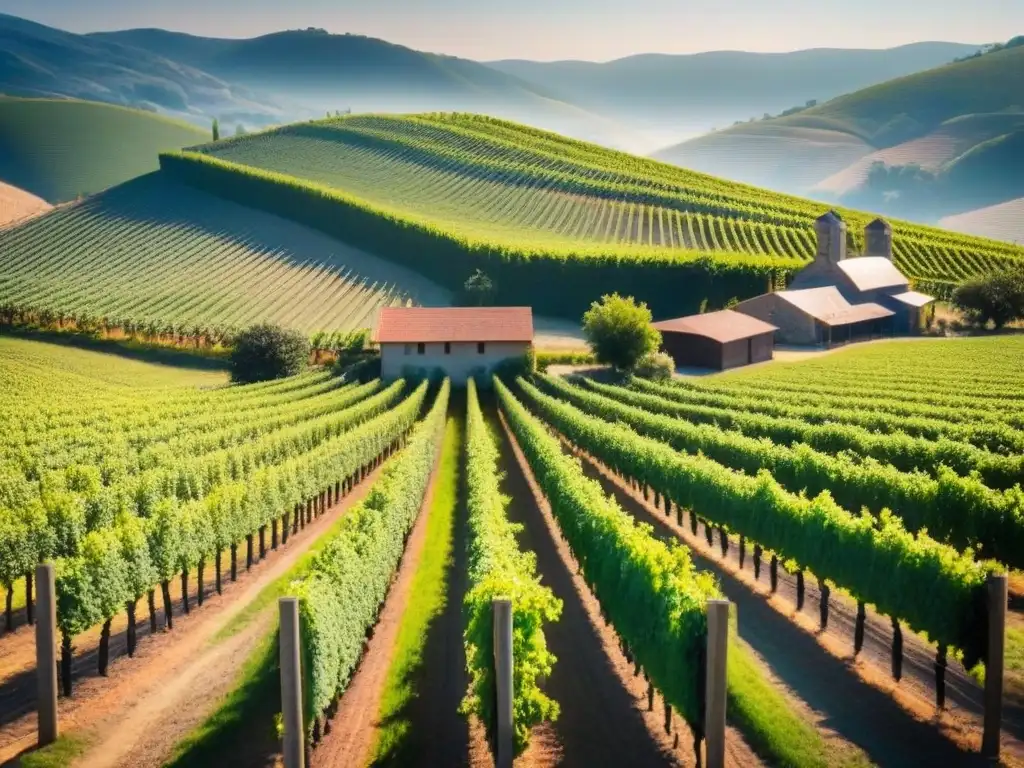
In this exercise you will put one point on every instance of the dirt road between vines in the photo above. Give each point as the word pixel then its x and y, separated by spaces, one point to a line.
pixel 135 716
pixel 604 716
pixel 851 697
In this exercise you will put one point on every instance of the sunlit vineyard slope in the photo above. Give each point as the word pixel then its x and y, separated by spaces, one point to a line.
pixel 512 193
pixel 154 253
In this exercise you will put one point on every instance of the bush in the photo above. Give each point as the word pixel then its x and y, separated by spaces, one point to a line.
pixel 479 290
pixel 566 357
pixel 998 298
pixel 265 352
pixel 655 366
pixel 619 331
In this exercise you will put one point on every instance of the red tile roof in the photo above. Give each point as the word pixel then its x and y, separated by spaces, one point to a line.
pixel 722 326
pixel 439 324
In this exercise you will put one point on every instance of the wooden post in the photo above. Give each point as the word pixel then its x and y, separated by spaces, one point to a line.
pixel 997 601
pixel 291 683
pixel 504 746
pixel 715 691
pixel 46 653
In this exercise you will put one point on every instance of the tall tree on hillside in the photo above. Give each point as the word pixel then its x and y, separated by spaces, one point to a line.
pixel 216 130
pixel 619 331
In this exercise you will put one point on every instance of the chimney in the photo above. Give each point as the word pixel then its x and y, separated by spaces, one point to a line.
pixel 878 239
pixel 831 231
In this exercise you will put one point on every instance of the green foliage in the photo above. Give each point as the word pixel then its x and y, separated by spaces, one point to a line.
pixel 654 366
pixel 957 510
pixel 547 358
pixel 619 331
pixel 998 298
pixel 265 352
pixel 650 591
pixel 479 290
pixel 931 586
pixel 216 129
pixel 498 569
pixel 341 597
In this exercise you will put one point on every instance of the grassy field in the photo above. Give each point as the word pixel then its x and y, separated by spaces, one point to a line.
pixel 59 149
pixel 152 252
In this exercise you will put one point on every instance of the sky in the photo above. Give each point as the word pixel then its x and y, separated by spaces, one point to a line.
pixel 594 30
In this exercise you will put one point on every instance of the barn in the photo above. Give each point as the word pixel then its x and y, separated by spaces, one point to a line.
pixel 718 340
pixel 460 341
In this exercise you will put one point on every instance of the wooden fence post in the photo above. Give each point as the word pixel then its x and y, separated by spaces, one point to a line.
pixel 46 653
pixel 715 692
pixel 291 683
pixel 997 602
pixel 504 733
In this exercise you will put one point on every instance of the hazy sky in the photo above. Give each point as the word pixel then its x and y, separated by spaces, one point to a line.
pixel 559 29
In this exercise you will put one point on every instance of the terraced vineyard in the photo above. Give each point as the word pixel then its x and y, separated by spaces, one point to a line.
pixel 151 253
pixel 493 181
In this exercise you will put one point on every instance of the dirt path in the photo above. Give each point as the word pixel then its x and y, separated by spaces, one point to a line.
pixel 353 729
pixel 604 718
pixel 176 677
pixel 848 696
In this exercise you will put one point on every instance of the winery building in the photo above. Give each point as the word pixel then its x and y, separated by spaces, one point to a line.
pixel 717 340
pixel 460 341
pixel 836 299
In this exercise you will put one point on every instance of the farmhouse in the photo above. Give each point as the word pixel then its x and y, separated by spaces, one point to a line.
pixel 836 298
pixel 717 340
pixel 461 341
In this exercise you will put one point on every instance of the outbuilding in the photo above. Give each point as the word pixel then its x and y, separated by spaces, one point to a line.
pixel 718 340
pixel 461 341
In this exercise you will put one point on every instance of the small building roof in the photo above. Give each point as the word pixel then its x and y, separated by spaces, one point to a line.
pixel 467 324
pixel 913 298
pixel 829 306
pixel 723 326
pixel 880 225
pixel 829 217
pixel 869 273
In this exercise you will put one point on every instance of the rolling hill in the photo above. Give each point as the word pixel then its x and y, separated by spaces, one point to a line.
pixel 1001 222
pixel 933 119
pixel 556 222
pixel 40 61
pixel 673 95
pixel 59 149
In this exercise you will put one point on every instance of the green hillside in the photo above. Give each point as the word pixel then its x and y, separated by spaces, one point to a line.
pixel 163 259
pixel 60 149
pixel 929 118
pixel 557 221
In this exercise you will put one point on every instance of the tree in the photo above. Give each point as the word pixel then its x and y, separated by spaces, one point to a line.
pixel 216 130
pixel 240 130
pixel 265 352
pixel 998 297
pixel 480 290
pixel 619 331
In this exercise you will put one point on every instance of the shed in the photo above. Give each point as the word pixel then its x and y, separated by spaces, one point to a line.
pixel 818 315
pixel 718 340
pixel 461 341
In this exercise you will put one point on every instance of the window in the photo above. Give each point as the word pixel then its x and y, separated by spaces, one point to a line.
pixel 408 349
pixel 421 348
pixel 480 347
pixel 447 347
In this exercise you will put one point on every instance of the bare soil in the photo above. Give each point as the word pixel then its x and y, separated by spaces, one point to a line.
pixel 17 205
pixel 856 697
pixel 138 713
pixel 604 714
pixel 353 730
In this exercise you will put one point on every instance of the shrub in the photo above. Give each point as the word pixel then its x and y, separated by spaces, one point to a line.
pixel 998 298
pixel 619 331
pixel 560 357
pixel 266 351
pixel 655 366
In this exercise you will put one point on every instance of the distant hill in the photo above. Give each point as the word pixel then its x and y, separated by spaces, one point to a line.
pixel 1000 222
pixel 922 146
pixel 58 149
pixel 39 61
pixel 328 72
pixel 694 93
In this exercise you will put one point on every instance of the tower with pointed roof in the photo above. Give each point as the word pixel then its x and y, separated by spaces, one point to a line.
pixel 878 239
pixel 831 231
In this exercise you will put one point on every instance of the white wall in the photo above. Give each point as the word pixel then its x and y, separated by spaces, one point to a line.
pixel 463 360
